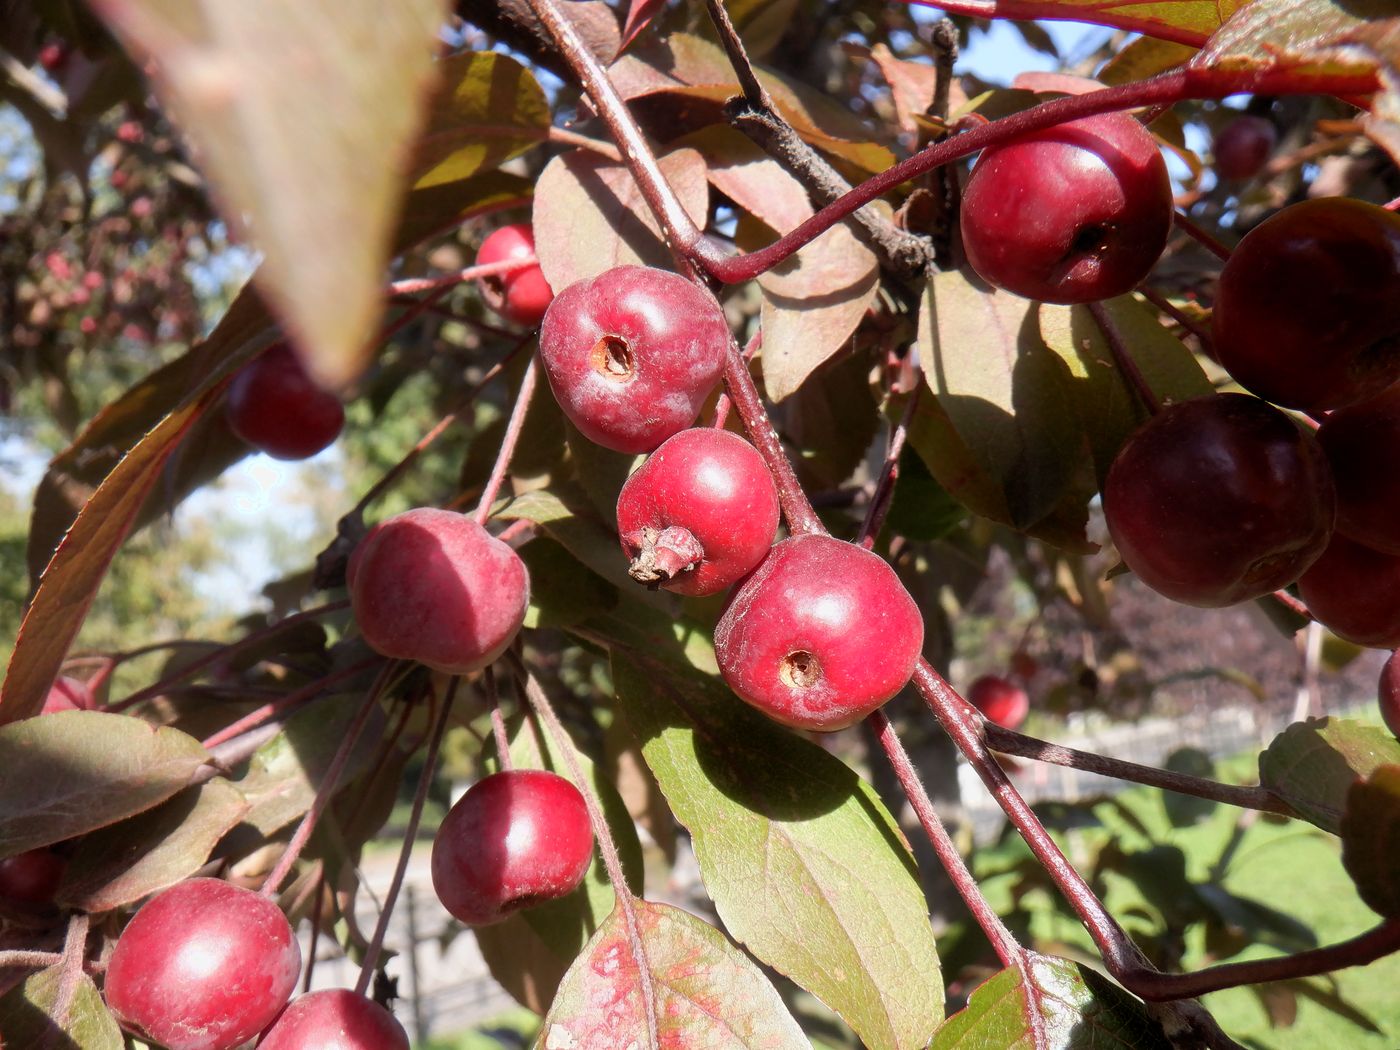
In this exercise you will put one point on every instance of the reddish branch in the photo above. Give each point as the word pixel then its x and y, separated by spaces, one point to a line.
pixel 508 443
pixel 1123 359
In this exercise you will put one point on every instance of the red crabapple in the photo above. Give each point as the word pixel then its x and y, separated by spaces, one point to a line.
pixel 699 514
pixel 1355 592
pixel 335 1019
pixel 1362 442
pixel 1071 214
pixel 434 586
pixel 1001 701
pixel 1242 147
pixel 273 405
pixel 1389 696
pixel 31 877
pixel 203 965
pixel 521 295
pixel 516 839
pixel 632 354
pixel 819 635
pixel 1218 500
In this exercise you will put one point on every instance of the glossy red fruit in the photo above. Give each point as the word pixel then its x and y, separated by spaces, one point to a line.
pixel 1218 500
pixel 1071 214
pixel 69 694
pixel 336 1019
pixel 1389 696
pixel 1243 146
pixel 434 586
pixel 1355 592
pixel 514 840
pixel 1308 310
pixel 274 406
pixel 699 514
pixel 1362 443
pixel 632 354
pixel 1001 701
pixel 821 634
pixel 203 966
pixel 521 295
pixel 31 877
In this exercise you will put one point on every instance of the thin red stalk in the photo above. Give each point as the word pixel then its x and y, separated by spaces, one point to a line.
pixel 1202 237
pixel 1164 304
pixel 1123 359
pixel 1009 742
pixel 508 443
pixel 415 285
pixel 376 942
pixel 326 790
pixel 285 703
pixel 1392 205
pixel 889 474
pixel 516 528
pixel 16 959
pixel 498 723
pixel 724 402
pixel 74 950
pixel 539 702
pixel 1292 604
pixel 193 668
pixel 1003 942
pixel 316 910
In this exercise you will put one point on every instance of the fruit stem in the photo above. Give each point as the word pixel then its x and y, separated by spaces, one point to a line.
pixel 1123 360
pixel 723 402
pixel 1167 307
pixel 74 949
pixel 498 723
pixel 326 790
pixel 285 703
pixel 889 474
pixel 415 285
pixel 1009 742
pixel 194 667
pixel 410 836
pixel 1003 941
pixel 601 832
pixel 508 443
pixel 1202 237
pixel 19 958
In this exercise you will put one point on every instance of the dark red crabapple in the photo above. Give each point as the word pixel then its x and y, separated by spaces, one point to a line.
pixel 68 694
pixel 203 965
pixel 1308 309
pixel 1355 592
pixel 521 295
pixel 1218 500
pixel 1072 214
pixel 1000 700
pixel 699 514
pixel 273 405
pixel 516 838
pixel 1362 443
pixel 1389 696
pixel 632 354
pixel 1243 146
pixel 335 1019
pixel 31 877
pixel 819 635
pixel 434 586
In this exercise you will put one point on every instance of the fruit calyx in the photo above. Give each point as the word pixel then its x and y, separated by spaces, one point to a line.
pixel 612 359
pixel 659 555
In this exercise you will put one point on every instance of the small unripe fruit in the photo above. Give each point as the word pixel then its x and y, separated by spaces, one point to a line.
pixel 1071 214
pixel 434 586
pixel 521 295
pixel 273 405
pixel 31 877
pixel 1355 592
pixel 335 1019
pixel 516 838
pixel 1243 146
pixel 1001 701
pixel 1308 310
pixel 632 354
pixel 1218 500
pixel 699 514
pixel 819 635
pixel 203 966
pixel 1362 443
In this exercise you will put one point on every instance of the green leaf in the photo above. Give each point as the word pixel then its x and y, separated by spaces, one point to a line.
pixel 488 109
pixel 562 589
pixel 1050 1002
pixel 1185 21
pixel 805 866
pixel 76 771
pixel 921 508
pixel 301 115
pixel 1312 765
pixel 1144 57
pixel 124 862
pixel 1107 407
pixel 703 990
pixel 1186 810
pixel 27 1015
pixel 1371 839
pixel 1000 433
pixel 535 947
pixel 590 216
